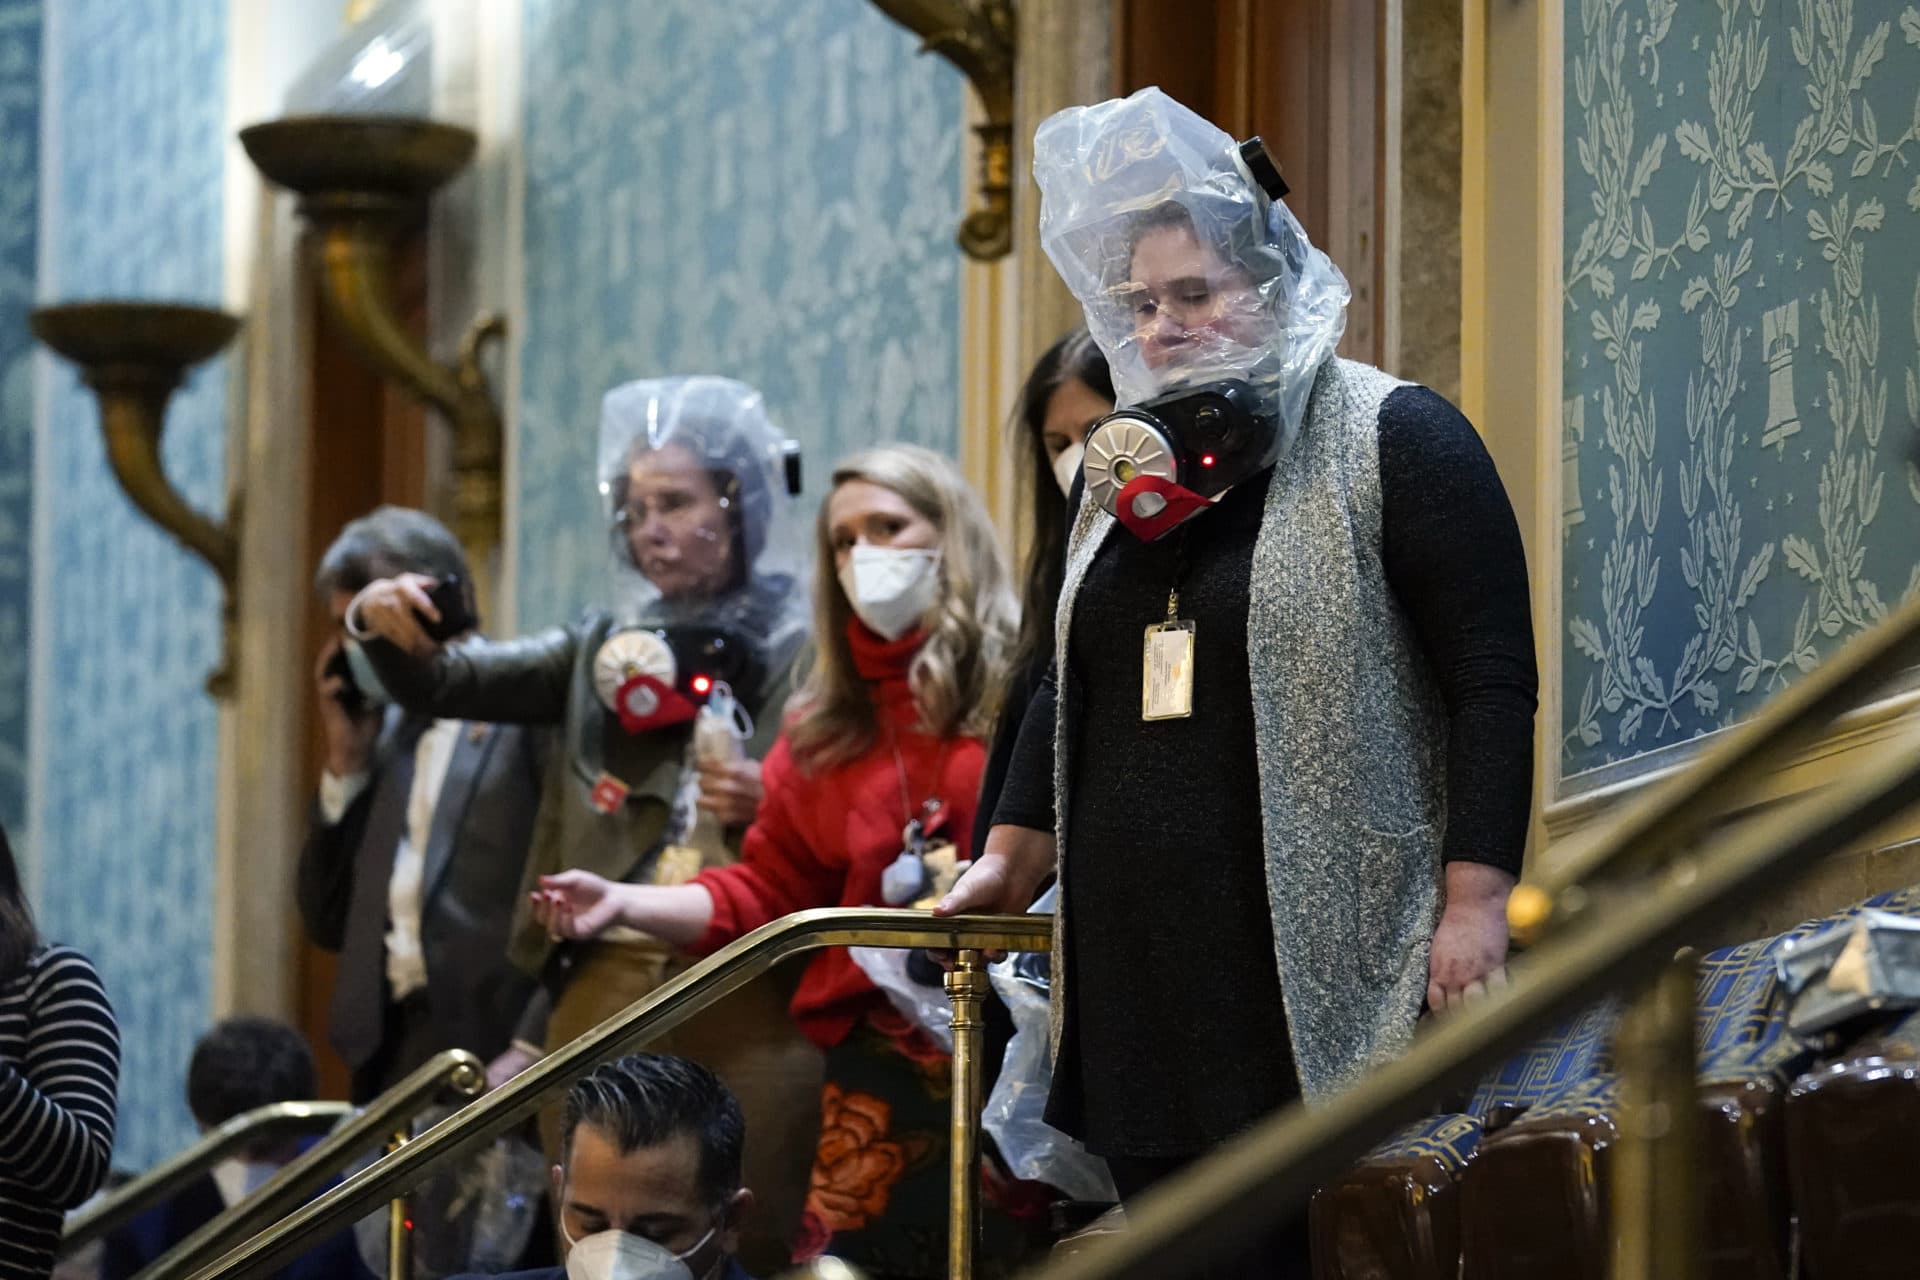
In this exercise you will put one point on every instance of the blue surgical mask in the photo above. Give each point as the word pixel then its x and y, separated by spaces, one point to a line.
pixel 365 678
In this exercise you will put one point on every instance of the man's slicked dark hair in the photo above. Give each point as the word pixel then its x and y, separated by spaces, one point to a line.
pixel 245 1063
pixel 645 1099
pixel 386 542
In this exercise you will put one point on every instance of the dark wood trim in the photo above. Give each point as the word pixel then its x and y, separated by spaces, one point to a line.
pixel 368 447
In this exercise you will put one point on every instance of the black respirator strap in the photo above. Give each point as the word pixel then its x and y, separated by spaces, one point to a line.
pixel 1263 168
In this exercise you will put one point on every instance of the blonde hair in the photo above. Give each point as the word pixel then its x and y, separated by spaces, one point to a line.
pixel 959 676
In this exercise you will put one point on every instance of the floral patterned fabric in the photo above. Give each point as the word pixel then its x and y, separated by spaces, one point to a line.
pixel 878 1196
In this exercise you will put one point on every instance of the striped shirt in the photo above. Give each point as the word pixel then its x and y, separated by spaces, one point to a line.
pixel 59 1071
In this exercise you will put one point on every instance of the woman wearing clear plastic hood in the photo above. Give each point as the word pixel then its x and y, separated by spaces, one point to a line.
pixel 664 700
pixel 1293 698
pixel 870 798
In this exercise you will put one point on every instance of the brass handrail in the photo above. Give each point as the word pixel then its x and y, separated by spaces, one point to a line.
pixel 248 1129
pixel 714 978
pixel 454 1073
pixel 1279 1163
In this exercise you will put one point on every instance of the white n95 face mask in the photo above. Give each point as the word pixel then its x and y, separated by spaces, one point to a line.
pixel 618 1255
pixel 1066 466
pixel 891 588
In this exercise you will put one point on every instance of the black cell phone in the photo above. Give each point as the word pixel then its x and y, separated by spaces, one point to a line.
pixel 453 597
pixel 350 698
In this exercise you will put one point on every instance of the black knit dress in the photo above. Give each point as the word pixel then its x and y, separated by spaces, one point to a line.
pixel 1176 1035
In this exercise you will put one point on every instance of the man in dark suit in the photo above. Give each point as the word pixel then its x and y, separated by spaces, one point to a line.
pixel 413 860
pixel 649 1174
pixel 241 1064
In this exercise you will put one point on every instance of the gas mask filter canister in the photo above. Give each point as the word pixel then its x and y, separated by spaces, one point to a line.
pixel 1154 464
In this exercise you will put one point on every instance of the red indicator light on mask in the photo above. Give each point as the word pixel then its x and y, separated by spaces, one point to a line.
pixel 1206 460
pixel 701 684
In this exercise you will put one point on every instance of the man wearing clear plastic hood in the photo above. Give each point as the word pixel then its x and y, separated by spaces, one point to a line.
pixel 1292 710
pixel 667 696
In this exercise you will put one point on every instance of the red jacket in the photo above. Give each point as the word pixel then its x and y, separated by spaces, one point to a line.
pixel 822 839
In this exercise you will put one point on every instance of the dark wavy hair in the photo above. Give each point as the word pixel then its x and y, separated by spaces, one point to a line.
pixel 19 938
pixel 645 1099
pixel 1073 356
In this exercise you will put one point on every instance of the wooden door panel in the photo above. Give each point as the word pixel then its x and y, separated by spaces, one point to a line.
pixel 368 446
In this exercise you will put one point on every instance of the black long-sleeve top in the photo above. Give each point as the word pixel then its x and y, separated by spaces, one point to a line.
pixel 1192 1046
pixel 1453 558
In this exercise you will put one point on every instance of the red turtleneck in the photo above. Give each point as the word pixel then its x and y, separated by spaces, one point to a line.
pixel 822 839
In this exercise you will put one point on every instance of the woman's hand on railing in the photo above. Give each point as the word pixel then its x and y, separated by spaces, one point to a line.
pixel 514 1059
pixel 1005 878
pixel 1469 951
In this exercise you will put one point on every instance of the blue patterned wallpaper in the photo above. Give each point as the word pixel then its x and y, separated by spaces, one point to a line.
pixel 19 228
pixel 125 792
pixel 759 188
pixel 1742 356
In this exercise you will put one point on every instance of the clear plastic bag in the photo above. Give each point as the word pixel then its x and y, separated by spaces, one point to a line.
pixel 1271 307
pixel 476 1218
pixel 1015 1109
pixel 720 428
pixel 924 1006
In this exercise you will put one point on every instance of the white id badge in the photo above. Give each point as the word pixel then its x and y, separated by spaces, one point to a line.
pixel 1166 691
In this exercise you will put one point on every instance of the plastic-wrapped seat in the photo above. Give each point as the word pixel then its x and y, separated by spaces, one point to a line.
pixel 1853 1144
pixel 1534 1201
pixel 1395 1215
pixel 1408 1210
pixel 1743 1158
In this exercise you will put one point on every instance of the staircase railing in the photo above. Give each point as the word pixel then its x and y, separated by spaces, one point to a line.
pixel 1612 913
pixel 248 1131
pixel 289 1231
pixel 452 1075
pixel 1683 864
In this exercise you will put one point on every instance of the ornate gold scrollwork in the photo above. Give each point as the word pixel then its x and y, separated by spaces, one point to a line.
pixel 977 37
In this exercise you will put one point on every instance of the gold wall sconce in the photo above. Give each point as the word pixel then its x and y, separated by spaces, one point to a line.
pixel 133 355
pixel 977 37
pixel 362 181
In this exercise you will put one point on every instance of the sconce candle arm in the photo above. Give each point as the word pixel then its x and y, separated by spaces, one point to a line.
pixel 133 355
pixel 356 261
pixel 130 415
pixel 976 40
pixel 354 236
pixel 363 181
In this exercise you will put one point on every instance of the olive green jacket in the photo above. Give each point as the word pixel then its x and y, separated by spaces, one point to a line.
pixel 547 679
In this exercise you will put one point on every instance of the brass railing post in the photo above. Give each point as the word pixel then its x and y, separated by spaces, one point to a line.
pixel 967 989
pixel 1656 1200
pixel 399 1223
